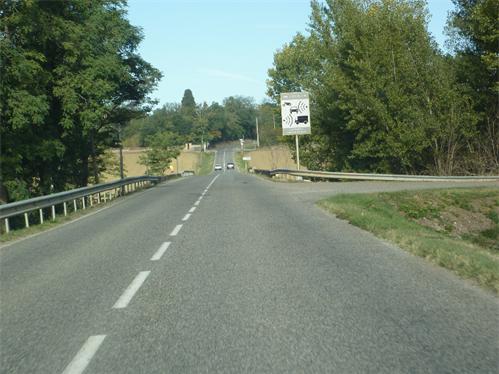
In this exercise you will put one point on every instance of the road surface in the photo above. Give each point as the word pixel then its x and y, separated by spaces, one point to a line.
pixel 229 273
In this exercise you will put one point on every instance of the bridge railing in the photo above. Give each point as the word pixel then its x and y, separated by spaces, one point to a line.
pixel 378 177
pixel 81 198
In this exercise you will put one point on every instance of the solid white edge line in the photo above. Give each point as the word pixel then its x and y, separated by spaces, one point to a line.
pixel 131 290
pixel 186 217
pixel 176 230
pixel 160 251
pixel 192 209
pixel 84 355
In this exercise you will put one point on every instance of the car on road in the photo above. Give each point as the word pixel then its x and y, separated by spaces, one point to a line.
pixel 230 165
pixel 218 167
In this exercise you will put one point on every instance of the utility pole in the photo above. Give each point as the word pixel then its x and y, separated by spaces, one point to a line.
pixel 122 174
pixel 257 134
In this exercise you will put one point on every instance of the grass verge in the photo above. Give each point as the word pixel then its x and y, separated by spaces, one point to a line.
pixel 238 159
pixel 47 224
pixel 454 228
pixel 205 165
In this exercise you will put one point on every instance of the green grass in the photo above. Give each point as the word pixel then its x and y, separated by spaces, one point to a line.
pixel 205 165
pixel 415 221
pixel 47 224
pixel 238 159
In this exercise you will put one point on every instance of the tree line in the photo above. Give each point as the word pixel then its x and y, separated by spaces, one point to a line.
pixel 71 77
pixel 385 98
pixel 168 128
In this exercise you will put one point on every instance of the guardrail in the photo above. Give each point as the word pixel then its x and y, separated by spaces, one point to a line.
pixel 80 197
pixel 378 177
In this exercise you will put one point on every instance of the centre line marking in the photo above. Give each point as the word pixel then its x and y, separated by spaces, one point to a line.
pixel 84 355
pixel 196 203
pixel 160 251
pixel 176 230
pixel 192 209
pixel 186 217
pixel 131 290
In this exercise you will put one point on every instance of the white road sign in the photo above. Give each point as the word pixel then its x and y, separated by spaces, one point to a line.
pixel 295 112
pixel 247 158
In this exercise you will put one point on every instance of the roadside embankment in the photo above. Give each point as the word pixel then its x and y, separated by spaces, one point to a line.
pixel 457 229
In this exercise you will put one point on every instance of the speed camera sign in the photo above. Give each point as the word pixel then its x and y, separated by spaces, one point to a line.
pixel 295 113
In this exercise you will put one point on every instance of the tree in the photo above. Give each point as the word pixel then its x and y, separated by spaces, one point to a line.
pixel 164 147
pixel 70 72
pixel 188 111
pixel 382 94
pixel 475 38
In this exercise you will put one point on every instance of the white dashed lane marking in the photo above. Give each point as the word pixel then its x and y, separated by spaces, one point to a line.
pixel 131 290
pixel 160 251
pixel 186 217
pixel 84 355
pixel 176 230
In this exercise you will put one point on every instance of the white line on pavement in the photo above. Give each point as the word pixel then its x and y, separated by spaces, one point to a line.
pixel 176 230
pixel 196 203
pixel 160 251
pixel 84 355
pixel 186 217
pixel 192 209
pixel 131 290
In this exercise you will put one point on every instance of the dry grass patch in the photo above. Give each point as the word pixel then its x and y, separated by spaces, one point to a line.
pixel 187 160
pixel 274 157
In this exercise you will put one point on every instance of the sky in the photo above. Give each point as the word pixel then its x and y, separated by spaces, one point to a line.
pixel 222 48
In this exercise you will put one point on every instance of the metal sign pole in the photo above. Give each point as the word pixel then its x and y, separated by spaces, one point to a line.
pixel 297 152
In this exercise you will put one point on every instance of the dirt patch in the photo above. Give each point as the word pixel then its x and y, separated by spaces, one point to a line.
pixel 458 222
pixel 472 215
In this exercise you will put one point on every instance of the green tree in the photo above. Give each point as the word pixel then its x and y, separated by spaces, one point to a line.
pixel 163 148
pixel 70 73
pixel 382 94
pixel 475 39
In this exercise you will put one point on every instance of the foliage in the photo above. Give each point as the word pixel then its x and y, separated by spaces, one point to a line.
pixel 70 75
pixel 475 39
pixel 198 123
pixel 163 147
pixel 384 98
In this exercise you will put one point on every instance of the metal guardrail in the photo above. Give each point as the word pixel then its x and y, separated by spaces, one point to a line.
pixel 83 197
pixel 378 177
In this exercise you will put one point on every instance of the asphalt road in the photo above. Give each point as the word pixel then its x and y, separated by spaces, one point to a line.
pixel 257 279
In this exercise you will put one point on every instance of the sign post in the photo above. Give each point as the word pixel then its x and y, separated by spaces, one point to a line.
pixel 297 152
pixel 295 113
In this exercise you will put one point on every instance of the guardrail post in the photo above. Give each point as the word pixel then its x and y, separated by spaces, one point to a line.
pixel 98 198
pixel 83 202
pixel 91 199
pixel 53 212
pixel 26 220
pixel 41 216
pixel 104 196
pixel 7 227
pixel 65 209
pixel 74 204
